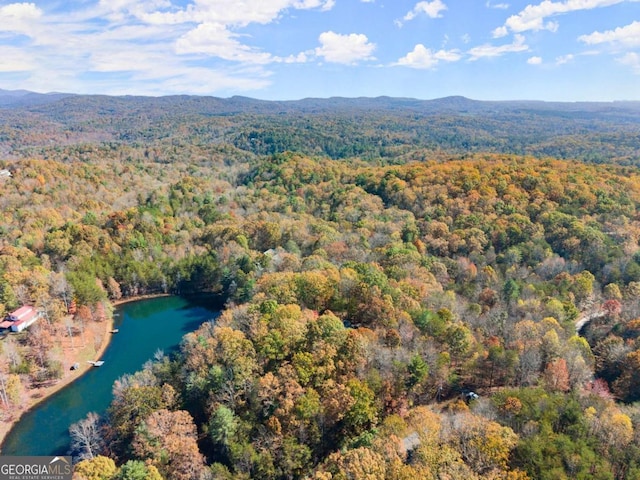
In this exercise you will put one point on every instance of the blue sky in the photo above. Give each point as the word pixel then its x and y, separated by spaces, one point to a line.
pixel 566 50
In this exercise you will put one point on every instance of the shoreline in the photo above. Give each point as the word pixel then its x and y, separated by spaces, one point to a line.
pixel 46 392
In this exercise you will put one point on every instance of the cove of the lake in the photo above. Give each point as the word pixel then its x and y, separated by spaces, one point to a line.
pixel 144 327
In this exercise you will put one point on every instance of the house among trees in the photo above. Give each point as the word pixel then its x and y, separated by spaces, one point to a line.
pixel 20 319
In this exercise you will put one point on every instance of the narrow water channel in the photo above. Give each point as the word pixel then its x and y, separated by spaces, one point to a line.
pixel 145 327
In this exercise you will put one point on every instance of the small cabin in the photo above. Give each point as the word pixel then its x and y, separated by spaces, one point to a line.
pixel 21 318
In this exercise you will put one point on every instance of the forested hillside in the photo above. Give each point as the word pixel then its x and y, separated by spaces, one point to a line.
pixel 367 294
pixel 372 129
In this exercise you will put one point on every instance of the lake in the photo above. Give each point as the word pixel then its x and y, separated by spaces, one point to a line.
pixel 145 326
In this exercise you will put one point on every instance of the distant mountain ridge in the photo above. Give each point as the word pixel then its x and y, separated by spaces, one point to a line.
pixel 364 127
pixel 13 98
pixel 243 104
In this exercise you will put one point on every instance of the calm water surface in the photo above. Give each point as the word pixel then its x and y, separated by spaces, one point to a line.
pixel 145 327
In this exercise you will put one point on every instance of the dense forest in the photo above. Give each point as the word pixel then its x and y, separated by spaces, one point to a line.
pixel 374 129
pixel 413 289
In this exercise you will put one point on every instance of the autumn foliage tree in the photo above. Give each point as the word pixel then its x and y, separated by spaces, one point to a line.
pixel 168 439
pixel 556 376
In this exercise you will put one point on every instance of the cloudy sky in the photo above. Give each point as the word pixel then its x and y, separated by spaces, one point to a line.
pixel 289 49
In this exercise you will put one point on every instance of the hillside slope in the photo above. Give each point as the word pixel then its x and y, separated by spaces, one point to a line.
pixel 369 128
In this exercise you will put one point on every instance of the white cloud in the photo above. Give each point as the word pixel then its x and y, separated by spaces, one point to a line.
pixel 216 19
pixel 346 49
pixel 329 4
pixel 146 70
pixel 534 60
pixel 20 11
pixel 307 4
pixel 143 46
pixel 628 35
pixel 424 58
pixel 500 32
pixel 231 12
pixel 20 18
pixel 432 9
pixel 499 6
pixel 488 50
pixel 14 60
pixel 533 17
pixel 119 11
pixel 632 60
pixel 301 57
pixel 561 60
pixel 216 40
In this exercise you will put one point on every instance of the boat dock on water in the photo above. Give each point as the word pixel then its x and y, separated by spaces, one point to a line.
pixel 96 363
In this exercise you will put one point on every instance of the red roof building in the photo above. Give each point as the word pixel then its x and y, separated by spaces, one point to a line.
pixel 21 313
pixel 22 318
